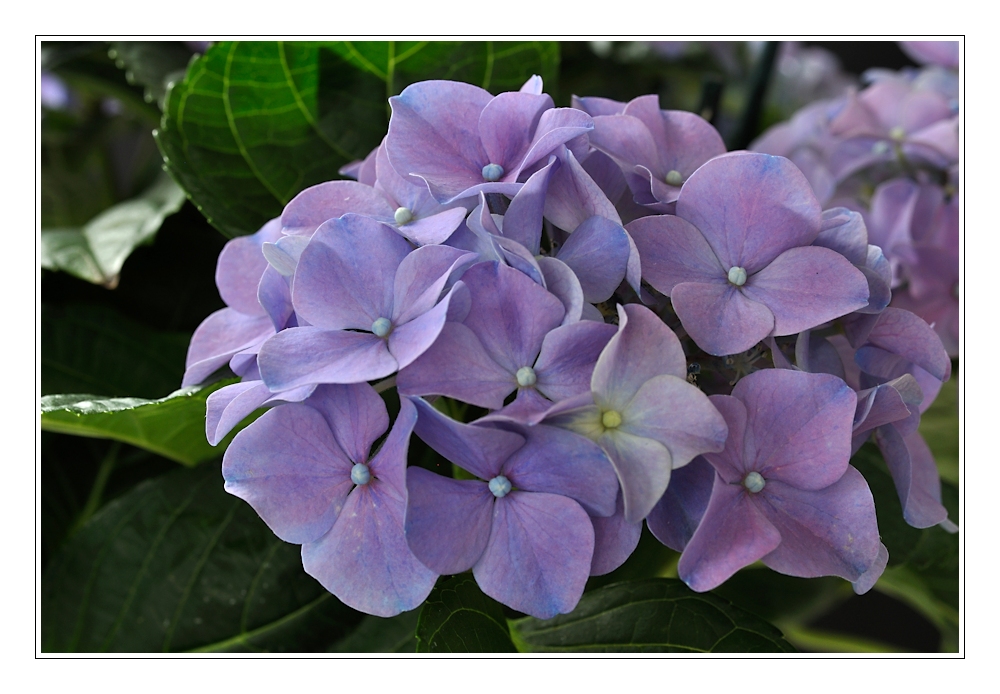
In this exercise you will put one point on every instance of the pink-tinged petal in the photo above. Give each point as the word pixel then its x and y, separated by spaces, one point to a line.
pixel 937 143
pixel 240 266
pixel 643 348
pixel 344 279
pixel 356 416
pixel 434 134
pixel 597 105
pixel 562 282
pixel 915 475
pixel 730 462
pixel 901 332
pixel 689 140
pixel 678 415
pixel 643 467
pixel 751 208
pixel 538 557
pixel 410 340
pixel 301 356
pixel 673 251
pixel 364 559
pixel 867 580
pixel 597 252
pixel 389 464
pixel 447 521
pixel 628 141
pixel 435 229
pixel 533 85
pixel 510 313
pixel 361 170
pixel 945 53
pixel 556 127
pixel 829 532
pixel 275 296
pixel 421 277
pixel 676 515
pixel 479 450
pixel 330 200
pixel 226 407
pixel 523 220
pixel 798 426
pixel 288 466
pixel 719 318
pixel 574 196
pixel 506 124
pixel 806 287
pixel 844 231
pixel 457 366
pixel 560 462
pixel 733 533
pixel 567 358
pixel 885 403
pixel 218 338
pixel 614 540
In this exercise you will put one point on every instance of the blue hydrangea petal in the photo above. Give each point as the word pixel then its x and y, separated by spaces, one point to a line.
pixel 355 414
pixel 598 252
pixel 447 521
pixel 220 336
pixel 288 466
pixel 673 251
pixel 538 557
pixel 567 358
pixel 240 266
pixel 330 200
pixel 676 515
pixel 562 282
pixel 365 561
pixel 915 475
pixel 812 545
pixel 720 318
pixel 643 467
pixel 309 355
pixel 614 540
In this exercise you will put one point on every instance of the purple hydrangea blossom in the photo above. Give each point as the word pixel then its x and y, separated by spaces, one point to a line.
pixel 736 260
pixel 522 526
pixel 782 476
pixel 371 301
pixel 461 140
pixel 641 410
pixel 308 472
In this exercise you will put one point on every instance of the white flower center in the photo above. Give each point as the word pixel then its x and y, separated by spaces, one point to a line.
pixel 492 172
pixel 500 486
pixel 737 276
pixel 360 474
pixel 753 482
pixel 403 215
pixel 526 377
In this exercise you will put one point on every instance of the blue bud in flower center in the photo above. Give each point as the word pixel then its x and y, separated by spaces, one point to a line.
pixel 526 377
pixel 360 474
pixel 754 482
pixel 500 486
pixel 382 327
pixel 674 178
pixel 403 215
pixel 880 147
pixel 737 276
pixel 492 172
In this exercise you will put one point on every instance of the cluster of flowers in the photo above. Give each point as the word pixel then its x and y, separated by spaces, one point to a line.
pixel 594 289
pixel 890 152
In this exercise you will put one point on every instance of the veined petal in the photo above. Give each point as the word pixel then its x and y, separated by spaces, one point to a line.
pixel 720 318
pixel 356 416
pixel 614 540
pixel 597 251
pixel 319 203
pixel 301 356
pixel 447 521
pixel 733 533
pixel 830 532
pixel 289 468
pixel 364 559
pixel 673 251
pixel 676 515
pixel 568 356
pixel 218 338
pixel 538 557
pixel 643 467
pixel 915 475
pixel 806 287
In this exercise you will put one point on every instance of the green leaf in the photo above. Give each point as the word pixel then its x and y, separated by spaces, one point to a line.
pixel 151 63
pixel 177 564
pixel 652 615
pixel 96 349
pixel 458 618
pixel 173 427
pixel 97 251
pixel 254 123
pixel 381 635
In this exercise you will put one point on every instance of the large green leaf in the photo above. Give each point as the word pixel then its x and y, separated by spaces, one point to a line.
pixel 97 251
pixel 253 123
pixel 382 635
pixel 652 615
pixel 152 64
pixel 96 349
pixel 458 618
pixel 179 565
pixel 173 427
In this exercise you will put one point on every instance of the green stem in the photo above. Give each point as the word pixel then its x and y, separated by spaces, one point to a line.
pixel 97 490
